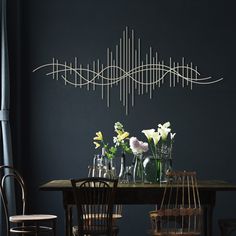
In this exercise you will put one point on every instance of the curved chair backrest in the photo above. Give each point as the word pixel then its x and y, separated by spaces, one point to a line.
pixel 94 199
pixel 180 211
pixel 8 173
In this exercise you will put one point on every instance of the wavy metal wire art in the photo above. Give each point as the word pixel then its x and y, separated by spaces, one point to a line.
pixel 129 70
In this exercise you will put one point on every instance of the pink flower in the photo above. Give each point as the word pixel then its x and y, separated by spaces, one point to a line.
pixel 138 147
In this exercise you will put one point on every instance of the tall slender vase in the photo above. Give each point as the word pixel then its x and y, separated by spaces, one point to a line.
pixel 138 169
pixel 122 176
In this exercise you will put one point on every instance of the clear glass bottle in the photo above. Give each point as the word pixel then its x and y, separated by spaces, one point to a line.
pixel 138 170
pixel 94 169
pixel 109 168
pixel 122 177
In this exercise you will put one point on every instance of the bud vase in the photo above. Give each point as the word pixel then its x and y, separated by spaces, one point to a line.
pixel 122 175
pixel 138 169
pixel 109 169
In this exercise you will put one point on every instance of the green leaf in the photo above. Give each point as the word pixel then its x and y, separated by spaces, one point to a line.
pixel 113 150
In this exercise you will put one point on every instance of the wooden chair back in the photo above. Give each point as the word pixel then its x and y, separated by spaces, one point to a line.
pixel 94 198
pixel 180 211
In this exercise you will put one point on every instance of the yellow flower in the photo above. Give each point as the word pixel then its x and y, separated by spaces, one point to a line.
pixel 97 145
pixel 119 132
pixel 99 136
pixel 123 136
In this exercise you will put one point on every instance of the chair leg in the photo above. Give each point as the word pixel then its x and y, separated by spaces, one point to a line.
pixel 37 226
pixel 54 227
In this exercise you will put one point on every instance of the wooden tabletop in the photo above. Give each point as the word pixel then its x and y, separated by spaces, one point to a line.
pixel 210 185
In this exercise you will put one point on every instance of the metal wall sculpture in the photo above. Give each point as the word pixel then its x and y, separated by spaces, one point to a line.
pixel 129 69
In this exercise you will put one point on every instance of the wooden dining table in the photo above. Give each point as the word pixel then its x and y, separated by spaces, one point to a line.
pixel 134 194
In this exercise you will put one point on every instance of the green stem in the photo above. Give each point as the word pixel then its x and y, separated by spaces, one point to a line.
pixel 153 151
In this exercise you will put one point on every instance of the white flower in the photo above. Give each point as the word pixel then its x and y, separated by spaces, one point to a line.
pixel 156 137
pixel 138 147
pixel 114 139
pixel 164 130
pixel 172 135
pixel 167 124
pixel 118 127
pixel 149 133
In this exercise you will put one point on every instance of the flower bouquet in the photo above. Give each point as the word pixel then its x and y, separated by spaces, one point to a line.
pixel 160 144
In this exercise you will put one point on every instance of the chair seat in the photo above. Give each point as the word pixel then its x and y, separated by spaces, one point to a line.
pixel 228 222
pixel 173 232
pixel 95 229
pixel 100 216
pixel 29 229
pixel 116 216
pixel 34 217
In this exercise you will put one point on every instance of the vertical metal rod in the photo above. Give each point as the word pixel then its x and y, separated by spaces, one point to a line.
pixel 94 74
pixel 170 72
pixel 75 72
pixel 183 71
pixel 120 66
pixel 65 66
pixel 139 54
pixel 112 69
pixel 116 64
pixel 129 46
pixel 102 82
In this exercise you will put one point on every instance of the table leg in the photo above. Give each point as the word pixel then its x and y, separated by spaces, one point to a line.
pixel 68 221
pixel 68 216
pixel 208 217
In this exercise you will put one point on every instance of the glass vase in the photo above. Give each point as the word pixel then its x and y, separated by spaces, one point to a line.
pixel 156 167
pixel 138 169
pixel 151 166
pixel 164 155
pixel 122 174
pixel 109 169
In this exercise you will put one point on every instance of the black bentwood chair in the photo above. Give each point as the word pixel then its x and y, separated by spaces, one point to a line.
pixel 94 198
pixel 23 223
pixel 227 226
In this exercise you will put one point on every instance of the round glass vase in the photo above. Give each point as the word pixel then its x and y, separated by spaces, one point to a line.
pixel 151 166
pixel 138 170
pixel 156 167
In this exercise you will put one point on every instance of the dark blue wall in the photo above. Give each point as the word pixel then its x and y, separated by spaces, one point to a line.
pixel 55 124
